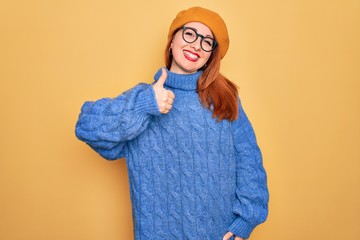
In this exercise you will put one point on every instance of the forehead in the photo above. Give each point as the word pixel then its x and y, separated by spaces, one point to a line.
pixel 200 28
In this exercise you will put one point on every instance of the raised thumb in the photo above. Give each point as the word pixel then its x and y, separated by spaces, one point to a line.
pixel 162 78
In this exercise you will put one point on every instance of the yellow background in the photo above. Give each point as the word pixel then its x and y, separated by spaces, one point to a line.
pixel 297 63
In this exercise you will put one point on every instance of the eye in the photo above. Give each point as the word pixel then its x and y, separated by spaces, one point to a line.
pixel 208 42
pixel 189 33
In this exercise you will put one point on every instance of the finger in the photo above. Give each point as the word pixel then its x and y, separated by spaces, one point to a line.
pixel 168 107
pixel 165 111
pixel 162 78
pixel 238 238
pixel 228 235
pixel 165 107
pixel 170 94
pixel 170 101
pixel 162 107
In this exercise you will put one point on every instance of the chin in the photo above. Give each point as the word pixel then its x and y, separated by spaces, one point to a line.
pixel 191 69
pixel 185 68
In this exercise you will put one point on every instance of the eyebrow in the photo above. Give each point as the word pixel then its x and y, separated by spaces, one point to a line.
pixel 198 33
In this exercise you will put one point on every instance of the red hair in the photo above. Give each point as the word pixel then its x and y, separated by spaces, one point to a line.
pixel 216 92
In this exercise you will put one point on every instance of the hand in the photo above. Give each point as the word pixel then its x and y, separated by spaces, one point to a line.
pixel 228 235
pixel 164 98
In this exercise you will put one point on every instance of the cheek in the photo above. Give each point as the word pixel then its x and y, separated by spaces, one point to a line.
pixel 178 44
pixel 207 56
pixel 177 41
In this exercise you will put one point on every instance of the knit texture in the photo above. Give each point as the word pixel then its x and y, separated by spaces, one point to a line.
pixel 191 177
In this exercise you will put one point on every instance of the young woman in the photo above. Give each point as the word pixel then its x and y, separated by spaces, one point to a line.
pixel 195 169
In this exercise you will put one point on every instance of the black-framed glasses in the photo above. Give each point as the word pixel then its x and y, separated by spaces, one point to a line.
pixel 190 35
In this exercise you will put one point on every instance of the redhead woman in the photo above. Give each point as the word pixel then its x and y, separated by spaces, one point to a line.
pixel 195 168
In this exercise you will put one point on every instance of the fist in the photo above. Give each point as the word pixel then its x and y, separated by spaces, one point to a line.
pixel 164 98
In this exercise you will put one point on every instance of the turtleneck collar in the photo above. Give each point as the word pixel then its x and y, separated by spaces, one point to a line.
pixel 180 81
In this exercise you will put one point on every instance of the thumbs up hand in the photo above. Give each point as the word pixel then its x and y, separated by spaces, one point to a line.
pixel 164 98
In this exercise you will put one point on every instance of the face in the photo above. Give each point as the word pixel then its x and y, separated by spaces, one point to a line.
pixel 189 57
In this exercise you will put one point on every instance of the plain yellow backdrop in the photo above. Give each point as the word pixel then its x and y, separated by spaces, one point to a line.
pixel 297 63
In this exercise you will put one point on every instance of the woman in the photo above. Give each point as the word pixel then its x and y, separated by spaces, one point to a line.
pixel 195 169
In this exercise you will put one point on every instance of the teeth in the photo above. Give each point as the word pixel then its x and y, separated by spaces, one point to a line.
pixel 191 55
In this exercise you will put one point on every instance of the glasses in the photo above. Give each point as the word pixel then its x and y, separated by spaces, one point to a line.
pixel 190 35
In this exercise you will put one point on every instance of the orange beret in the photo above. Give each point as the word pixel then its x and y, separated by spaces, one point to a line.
pixel 211 19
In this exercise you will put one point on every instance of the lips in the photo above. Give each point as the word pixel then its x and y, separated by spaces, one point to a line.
pixel 193 57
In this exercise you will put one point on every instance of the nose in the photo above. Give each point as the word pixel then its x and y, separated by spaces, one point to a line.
pixel 197 44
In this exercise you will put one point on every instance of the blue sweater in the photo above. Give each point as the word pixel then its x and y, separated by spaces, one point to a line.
pixel 191 177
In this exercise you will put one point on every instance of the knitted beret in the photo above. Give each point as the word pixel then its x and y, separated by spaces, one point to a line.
pixel 211 19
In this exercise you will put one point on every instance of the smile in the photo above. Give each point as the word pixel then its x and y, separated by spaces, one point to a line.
pixel 191 56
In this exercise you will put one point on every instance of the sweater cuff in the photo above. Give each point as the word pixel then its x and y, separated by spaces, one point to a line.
pixel 241 228
pixel 146 103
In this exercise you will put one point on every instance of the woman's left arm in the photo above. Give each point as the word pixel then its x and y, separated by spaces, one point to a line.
pixel 252 196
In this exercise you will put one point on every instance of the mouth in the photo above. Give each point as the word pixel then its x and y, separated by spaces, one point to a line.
pixel 193 57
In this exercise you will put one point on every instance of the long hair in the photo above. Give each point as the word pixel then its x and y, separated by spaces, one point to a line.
pixel 216 92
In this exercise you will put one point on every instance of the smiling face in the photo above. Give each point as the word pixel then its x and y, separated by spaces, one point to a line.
pixel 189 57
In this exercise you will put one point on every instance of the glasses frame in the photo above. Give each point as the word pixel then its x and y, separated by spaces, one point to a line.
pixel 197 36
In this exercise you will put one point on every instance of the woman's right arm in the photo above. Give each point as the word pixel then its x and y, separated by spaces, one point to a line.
pixel 107 124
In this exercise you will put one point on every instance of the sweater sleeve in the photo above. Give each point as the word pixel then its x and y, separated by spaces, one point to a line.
pixel 107 124
pixel 251 205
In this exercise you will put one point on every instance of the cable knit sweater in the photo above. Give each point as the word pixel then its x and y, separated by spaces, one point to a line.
pixel 191 177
